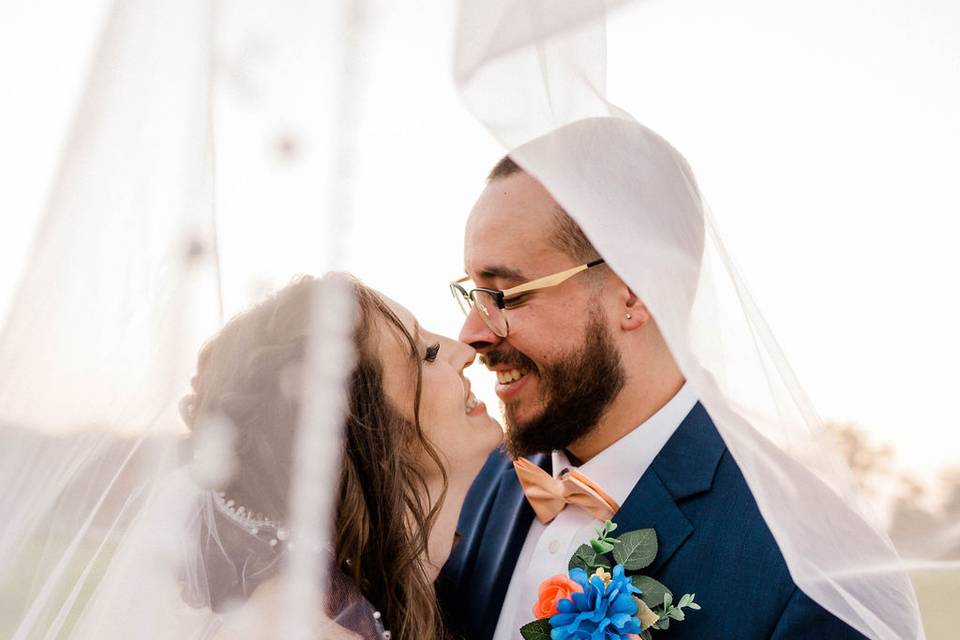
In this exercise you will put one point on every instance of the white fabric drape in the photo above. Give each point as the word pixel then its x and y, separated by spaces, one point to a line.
pixel 103 531
pixel 193 108
pixel 533 72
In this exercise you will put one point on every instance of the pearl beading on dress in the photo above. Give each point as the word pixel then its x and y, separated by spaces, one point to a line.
pixel 256 523
pixel 249 520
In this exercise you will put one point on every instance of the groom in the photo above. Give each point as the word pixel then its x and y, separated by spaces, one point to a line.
pixel 588 383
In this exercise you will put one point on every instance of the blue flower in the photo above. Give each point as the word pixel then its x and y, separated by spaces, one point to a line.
pixel 604 611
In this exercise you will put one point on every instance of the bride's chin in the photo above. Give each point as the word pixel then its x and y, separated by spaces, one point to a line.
pixel 496 430
pixel 486 436
pixel 490 428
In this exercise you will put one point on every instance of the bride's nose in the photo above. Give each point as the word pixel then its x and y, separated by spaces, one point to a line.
pixel 464 354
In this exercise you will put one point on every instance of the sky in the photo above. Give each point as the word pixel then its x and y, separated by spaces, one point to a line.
pixel 825 137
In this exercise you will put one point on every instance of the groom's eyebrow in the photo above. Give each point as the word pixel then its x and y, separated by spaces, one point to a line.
pixel 501 272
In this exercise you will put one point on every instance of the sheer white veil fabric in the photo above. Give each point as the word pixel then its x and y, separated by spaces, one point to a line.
pixel 125 243
pixel 533 72
pixel 105 532
pixel 112 528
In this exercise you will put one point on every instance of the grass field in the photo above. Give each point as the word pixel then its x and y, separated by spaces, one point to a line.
pixel 939 594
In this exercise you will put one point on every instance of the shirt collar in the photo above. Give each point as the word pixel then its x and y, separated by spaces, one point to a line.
pixel 634 451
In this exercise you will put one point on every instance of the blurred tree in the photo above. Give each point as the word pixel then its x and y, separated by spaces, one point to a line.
pixel 950 513
pixel 912 521
pixel 871 464
pixel 911 510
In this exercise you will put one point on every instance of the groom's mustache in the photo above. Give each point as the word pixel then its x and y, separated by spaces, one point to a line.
pixel 510 357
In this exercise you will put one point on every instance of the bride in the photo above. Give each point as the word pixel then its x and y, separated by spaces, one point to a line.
pixel 414 439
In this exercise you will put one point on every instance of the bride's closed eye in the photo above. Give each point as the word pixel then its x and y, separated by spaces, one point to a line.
pixel 432 352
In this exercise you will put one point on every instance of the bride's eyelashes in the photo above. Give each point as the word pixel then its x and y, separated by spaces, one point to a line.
pixel 432 352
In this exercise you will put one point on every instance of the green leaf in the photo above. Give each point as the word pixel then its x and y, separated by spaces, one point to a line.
pixel 676 613
pixel 652 591
pixel 609 526
pixel 601 547
pixel 637 549
pixel 587 559
pixel 536 630
pixel 667 601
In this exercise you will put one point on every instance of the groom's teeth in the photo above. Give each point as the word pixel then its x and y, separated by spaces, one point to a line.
pixel 506 377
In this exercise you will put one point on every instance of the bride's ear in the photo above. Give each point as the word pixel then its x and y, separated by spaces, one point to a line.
pixel 635 313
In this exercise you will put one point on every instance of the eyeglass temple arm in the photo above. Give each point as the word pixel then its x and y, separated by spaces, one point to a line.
pixel 550 281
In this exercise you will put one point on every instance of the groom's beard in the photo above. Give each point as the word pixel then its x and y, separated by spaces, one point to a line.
pixel 575 392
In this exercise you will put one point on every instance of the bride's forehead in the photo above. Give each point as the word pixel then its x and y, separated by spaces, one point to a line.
pixel 401 312
pixel 390 341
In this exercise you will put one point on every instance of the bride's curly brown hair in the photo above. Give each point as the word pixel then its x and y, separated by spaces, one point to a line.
pixel 384 512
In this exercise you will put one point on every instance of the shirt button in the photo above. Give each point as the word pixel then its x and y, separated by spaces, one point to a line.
pixel 554 546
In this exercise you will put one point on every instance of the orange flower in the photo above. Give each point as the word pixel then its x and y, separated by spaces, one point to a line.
pixel 552 591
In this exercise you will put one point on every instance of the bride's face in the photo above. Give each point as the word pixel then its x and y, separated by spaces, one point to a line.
pixel 451 417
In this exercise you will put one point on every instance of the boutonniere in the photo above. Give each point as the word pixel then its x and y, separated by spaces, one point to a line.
pixel 604 600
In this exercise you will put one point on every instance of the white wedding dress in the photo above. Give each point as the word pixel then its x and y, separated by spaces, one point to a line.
pixel 189 567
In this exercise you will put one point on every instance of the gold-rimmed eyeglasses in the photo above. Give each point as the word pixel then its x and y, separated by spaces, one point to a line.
pixel 491 304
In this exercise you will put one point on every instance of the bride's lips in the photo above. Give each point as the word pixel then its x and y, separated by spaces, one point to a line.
pixel 478 407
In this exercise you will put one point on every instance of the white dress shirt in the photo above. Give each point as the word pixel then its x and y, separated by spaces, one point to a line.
pixel 548 547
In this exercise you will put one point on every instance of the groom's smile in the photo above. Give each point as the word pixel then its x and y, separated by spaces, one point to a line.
pixel 516 382
pixel 509 383
pixel 514 371
pixel 554 357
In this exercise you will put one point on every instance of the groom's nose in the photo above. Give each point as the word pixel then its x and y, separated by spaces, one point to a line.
pixel 477 334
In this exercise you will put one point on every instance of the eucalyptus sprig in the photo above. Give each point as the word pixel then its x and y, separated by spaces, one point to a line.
pixel 675 612
pixel 603 543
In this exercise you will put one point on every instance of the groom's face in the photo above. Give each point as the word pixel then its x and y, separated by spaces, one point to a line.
pixel 559 367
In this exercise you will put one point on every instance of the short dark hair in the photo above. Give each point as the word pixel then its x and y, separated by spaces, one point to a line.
pixel 567 235
pixel 505 167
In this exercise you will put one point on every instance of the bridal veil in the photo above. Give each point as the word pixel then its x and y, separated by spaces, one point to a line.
pixel 106 495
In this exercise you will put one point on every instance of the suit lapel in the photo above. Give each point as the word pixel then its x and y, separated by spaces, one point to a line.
pixel 684 467
pixel 650 505
pixel 504 536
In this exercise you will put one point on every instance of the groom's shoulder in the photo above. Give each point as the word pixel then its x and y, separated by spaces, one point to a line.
pixel 483 491
pixel 732 544
pixel 495 477
pixel 478 510
pixel 727 532
pixel 728 516
pixel 486 483
pixel 732 549
pixel 725 511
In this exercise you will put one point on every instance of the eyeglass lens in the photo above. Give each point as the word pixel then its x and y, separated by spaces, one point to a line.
pixel 486 305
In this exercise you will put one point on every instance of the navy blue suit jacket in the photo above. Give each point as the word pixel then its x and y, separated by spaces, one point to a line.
pixel 712 541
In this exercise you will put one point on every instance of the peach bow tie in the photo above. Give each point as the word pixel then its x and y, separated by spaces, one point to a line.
pixel 548 495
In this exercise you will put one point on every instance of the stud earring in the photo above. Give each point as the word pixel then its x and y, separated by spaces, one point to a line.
pixel 629 316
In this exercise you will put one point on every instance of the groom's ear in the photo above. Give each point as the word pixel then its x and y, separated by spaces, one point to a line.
pixel 635 313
